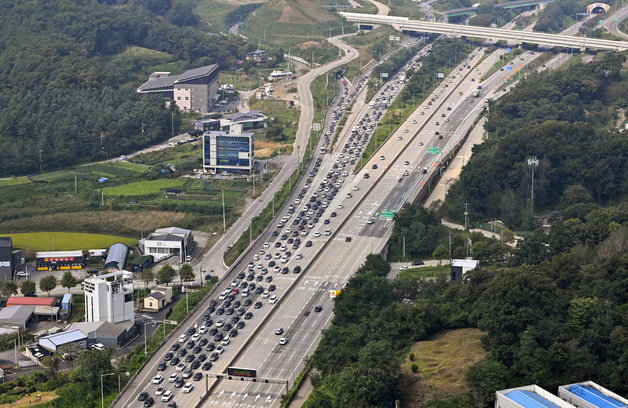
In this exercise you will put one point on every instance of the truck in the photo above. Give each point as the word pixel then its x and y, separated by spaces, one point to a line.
pixel 476 93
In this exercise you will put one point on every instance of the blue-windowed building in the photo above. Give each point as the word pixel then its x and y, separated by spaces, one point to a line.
pixel 231 150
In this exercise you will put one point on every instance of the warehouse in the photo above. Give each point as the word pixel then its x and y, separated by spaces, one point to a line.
pixel 116 259
pixel 59 260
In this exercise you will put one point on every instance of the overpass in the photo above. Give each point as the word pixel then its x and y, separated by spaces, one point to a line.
pixel 514 36
pixel 509 5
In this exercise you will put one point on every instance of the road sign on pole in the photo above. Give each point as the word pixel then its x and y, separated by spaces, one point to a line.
pixel 433 150
pixel 387 214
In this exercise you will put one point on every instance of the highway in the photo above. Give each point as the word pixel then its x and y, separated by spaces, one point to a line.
pixel 560 40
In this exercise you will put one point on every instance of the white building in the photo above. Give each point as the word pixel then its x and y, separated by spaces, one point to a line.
pixel 168 241
pixel 231 150
pixel 588 394
pixel 528 396
pixel 459 267
pixel 109 298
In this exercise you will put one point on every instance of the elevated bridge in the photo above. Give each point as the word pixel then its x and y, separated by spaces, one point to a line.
pixel 512 36
pixel 508 5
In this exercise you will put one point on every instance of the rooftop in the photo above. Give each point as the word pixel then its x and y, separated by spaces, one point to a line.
pixel 529 399
pixel 59 254
pixel 254 114
pixel 173 230
pixel 166 82
pixel 31 301
pixel 595 397
pixel 53 341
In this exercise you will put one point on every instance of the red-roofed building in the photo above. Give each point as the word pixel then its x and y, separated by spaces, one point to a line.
pixel 31 301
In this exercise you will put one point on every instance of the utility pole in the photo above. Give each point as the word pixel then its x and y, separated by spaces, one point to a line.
pixel 466 214
pixel 404 248
pixel 224 219
pixel 533 163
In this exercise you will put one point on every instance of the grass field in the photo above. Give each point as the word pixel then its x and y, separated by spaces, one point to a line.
pixel 16 181
pixel 425 272
pixel 33 400
pixel 444 359
pixel 141 188
pixel 65 241
pixel 114 170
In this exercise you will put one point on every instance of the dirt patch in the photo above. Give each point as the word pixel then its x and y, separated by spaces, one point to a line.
pixel 443 361
pixel 32 400
pixel 264 150
pixel 290 14
pixel 310 44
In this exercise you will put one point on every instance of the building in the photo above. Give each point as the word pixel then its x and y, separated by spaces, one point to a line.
pixel 142 263
pixel 59 260
pixel 591 395
pixel 194 91
pixel 108 334
pixel 66 303
pixel 529 396
pixel 231 151
pixel 207 124
pixel 7 262
pixel 116 259
pixel 158 298
pixel 461 266
pixel 258 57
pixel 31 301
pixel 54 341
pixel 279 75
pixel 166 242
pixel 15 317
pixel 109 297
pixel 251 120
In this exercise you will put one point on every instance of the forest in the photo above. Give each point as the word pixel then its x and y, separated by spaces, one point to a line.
pixel 567 119
pixel 65 100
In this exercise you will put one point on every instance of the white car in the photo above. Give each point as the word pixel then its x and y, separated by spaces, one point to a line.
pixel 187 388
pixel 265 294
pixel 181 367
pixel 220 349
pixel 283 341
pixel 202 329
pixel 157 379
pixel 404 267
pixel 220 322
pixel 226 341
pixel 317 234
pixel 299 256
pixel 173 377
pixel 160 390
pixel 182 338
pixel 266 244
pixel 273 299
pixel 356 188
pixel 340 205
pixel 196 337
pixel 167 396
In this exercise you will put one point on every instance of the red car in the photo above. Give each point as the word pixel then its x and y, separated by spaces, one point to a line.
pixel 236 291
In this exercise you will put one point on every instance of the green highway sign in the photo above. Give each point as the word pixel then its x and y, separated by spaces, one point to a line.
pixel 387 214
pixel 433 149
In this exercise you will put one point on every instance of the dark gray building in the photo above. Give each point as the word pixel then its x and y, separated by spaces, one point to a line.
pixel 7 263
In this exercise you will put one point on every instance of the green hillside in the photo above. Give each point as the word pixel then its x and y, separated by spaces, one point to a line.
pixel 68 74
pixel 292 22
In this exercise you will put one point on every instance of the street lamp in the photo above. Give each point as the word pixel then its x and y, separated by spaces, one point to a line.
pixel 102 388
pixel 533 163
pixel 125 373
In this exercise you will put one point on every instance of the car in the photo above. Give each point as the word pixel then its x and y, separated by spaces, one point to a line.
pixel 161 366
pixel 149 402
pixel 207 366
pixel 190 357
pixel 248 316
pixel 168 356
pixel 182 338
pixel 180 367
pixel 202 342
pixel 318 308
pixel 187 373
pixel 173 377
pixel 416 263
pixel 240 326
pixel 257 305
pixel 182 352
pixel 158 379
pixel 197 376
pixel 187 388
pixel 374 166
pixel 279 331
pixel 308 244
pixel 167 396
pixel 348 239
pixel 220 322
pixel 272 299
pixel 191 331
pixel 214 356
pixel 366 175
pixel 195 364
pixel 142 396
pixel 174 361
pixel 160 390
pixel 283 341
pixel 225 342
pixel 179 383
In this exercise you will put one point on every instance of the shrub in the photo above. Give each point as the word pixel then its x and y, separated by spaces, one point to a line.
pixel 411 356
pixel 414 368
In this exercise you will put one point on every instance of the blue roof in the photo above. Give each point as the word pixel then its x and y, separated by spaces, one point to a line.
pixel 66 298
pixel 529 399
pixel 595 397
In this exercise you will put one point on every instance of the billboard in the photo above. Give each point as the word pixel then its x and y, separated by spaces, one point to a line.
pixel 241 372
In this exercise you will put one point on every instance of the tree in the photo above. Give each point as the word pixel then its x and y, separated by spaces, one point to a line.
pixel 484 378
pixel 28 288
pixel 440 253
pixel 8 288
pixel 186 274
pixel 68 280
pixel 48 283
pixel 147 276
pixel 166 274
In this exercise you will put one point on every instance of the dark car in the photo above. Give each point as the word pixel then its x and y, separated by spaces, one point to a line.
pixel 333 214
pixel 195 364
pixel 201 357
pixel 240 311
pixel 247 302
pixel 189 358
pixel 229 311
pixel 178 383
pixel 197 349
pixel 272 288
pixel 202 342
pixel 210 347
pixel 214 356
pixel 182 352
pixel 207 366
pixel 259 290
pixel 308 244
pixel 257 305
pixel 235 319
pixel 168 356
pixel 296 269
pixel 149 402
pixel 161 366
pixel 318 308
pixel 175 347
pixel 269 278
pixel 220 311
pixel 212 331
pixel 233 333
pixel 191 331
pixel 248 315
pixel 197 377
pixel 190 344
pixel 227 327
pixel 240 325
pixel 218 337
pixel 174 361
pixel 143 395
pixel 416 263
